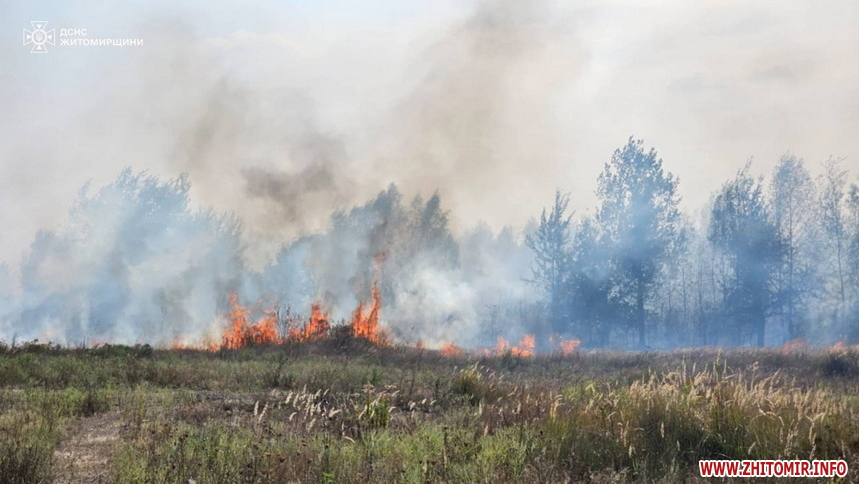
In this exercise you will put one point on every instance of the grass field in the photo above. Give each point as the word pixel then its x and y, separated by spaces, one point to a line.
pixel 345 411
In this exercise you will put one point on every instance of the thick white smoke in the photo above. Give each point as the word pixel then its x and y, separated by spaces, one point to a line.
pixel 135 264
pixel 283 123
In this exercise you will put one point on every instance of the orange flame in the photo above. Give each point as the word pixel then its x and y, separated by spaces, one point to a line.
pixel 501 346
pixel 364 324
pixel 242 334
pixel 316 327
pixel 451 349
pixel 525 347
pixel 569 346
pixel 367 325
pixel 565 347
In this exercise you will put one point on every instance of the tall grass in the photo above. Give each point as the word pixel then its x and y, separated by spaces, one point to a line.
pixel 312 414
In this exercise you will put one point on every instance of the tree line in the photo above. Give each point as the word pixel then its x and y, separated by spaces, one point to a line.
pixel 768 261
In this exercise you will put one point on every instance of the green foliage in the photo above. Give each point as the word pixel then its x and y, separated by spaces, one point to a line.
pixel 31 424
pixel 741 226
pixel 606 417
pixel 551 246
pixel 27 460
pixel 841 364
pixel 476 388
pixel 639 223
pixel 376 412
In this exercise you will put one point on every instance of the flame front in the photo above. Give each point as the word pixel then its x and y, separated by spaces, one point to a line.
pixel 525 347
pixel 565 347
pixel 451 349
pixel 242 334
pixel 569 346
pixel 366 324
pixel 316 328
pixel 501 346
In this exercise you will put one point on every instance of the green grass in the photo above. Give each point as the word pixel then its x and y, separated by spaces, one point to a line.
pixel 318 413
pixel 31 423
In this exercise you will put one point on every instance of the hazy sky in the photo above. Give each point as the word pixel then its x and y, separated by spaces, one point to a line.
pixel 282 111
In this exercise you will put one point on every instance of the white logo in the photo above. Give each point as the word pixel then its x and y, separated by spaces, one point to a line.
pixel 39 37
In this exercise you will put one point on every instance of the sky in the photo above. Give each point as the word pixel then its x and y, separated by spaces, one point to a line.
pixel 283 111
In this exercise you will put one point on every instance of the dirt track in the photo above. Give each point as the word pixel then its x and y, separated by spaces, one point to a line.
pixel 85 453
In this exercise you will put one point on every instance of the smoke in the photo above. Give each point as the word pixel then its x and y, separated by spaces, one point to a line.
pixel 295 122
pixel 290 193
pixel 434 288
pixel 133 264
pixel 480 119
pixel 268 133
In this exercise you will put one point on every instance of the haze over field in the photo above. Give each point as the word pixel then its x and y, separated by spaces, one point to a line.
pixel 284 114
pixel 494 103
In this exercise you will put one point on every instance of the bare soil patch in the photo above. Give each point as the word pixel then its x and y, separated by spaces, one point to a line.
pixel 86 452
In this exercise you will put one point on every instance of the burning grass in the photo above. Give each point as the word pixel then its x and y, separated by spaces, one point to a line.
pixel 343 410
pixel 274 328
pixel 242 334
pixel 365 321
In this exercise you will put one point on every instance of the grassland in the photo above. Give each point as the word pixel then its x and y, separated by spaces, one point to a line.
pixel 343 411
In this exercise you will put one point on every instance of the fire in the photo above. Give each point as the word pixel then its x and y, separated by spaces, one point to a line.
pixel 565 347
pixel 451 349
pixel 569 346
pixel 242 333
pixel 501 346
pixel 366 324
pixel 525 347
pixel 316 328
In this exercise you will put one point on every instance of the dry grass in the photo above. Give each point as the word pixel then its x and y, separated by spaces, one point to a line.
pixel 319 413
